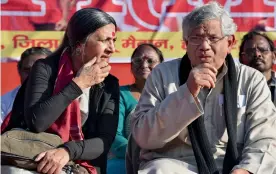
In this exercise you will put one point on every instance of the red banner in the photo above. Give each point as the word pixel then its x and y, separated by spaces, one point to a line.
pixel 137 20
pixel 133 15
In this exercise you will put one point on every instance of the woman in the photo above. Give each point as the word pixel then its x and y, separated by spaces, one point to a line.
pixel 144 58
pixel 72 94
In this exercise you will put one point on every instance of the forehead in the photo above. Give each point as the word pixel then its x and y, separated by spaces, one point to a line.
pixel 107 30
pixel 209 27
pixel 256 41
pixel 146 50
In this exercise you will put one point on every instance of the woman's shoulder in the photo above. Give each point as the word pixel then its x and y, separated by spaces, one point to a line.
pixel 111 79
pixel 125 88
pixel 50 64
pixel 111 84
pixel 46 69
pixel 125 93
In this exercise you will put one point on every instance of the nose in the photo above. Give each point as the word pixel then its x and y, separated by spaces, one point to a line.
pixel 257 53
pixel 205 46
pixel 145 63
pixel 111 47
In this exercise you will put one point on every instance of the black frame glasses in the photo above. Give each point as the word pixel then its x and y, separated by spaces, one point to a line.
pixel 197 40
pixel 251 51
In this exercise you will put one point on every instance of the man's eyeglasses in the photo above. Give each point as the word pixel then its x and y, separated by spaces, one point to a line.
pixel 197 40
pixel 252 51
pixel 140 60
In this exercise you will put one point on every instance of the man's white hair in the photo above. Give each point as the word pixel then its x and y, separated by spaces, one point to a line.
pixel 209 11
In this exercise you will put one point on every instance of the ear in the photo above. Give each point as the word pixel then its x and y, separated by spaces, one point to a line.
pixel 78 44
pixel 185 40
pixel 80 47
pixel 186 45
pixel 132 70
pixel 77 47
pixel 231 42
pixel 274 57
pixel 242 59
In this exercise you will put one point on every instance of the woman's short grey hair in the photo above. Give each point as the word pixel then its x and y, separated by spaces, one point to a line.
pixel 209 11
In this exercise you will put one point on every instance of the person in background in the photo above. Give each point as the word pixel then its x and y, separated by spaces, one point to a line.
pixel 72 94
pixel 65 6
pixel 206 113
pixel 144 58
pixel 257 51
pixel 53 15
pixel 263 26
pixel 27 59
pixel 56 17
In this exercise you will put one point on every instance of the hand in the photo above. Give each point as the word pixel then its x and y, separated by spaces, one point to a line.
pixel 240 171
pixel 61 25
pixel 203 75
pixel 73 3
pixel 52 161
pixel 92 73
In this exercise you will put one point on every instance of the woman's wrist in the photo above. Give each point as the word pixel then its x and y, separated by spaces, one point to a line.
pixel 64 147
pixel 79 83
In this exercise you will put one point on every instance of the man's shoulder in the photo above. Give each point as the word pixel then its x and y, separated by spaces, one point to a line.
pixel 170 63
pixel 165 74
pixel 171 66
pixel 245 72
pixel 10 95
pixel 249 78
pixel 7 101
pixel 273 83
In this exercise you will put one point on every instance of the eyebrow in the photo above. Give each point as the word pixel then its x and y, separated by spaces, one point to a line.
pixel 101 37
pixel 107 38
pixel 263 45
pixel 147 56
pixel 208 35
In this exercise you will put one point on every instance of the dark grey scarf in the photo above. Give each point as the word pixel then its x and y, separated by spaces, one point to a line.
pixel 197 132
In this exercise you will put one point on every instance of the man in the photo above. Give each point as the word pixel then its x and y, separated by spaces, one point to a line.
pixel 65 6
pixel 27 59
pixel 205 113
pixel 262 25
pixel 257 51
pixel 55 15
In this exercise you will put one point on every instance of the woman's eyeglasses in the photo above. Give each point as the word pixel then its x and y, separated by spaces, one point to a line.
pixel 141 60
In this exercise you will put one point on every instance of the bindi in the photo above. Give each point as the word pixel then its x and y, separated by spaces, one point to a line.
pixel 113 34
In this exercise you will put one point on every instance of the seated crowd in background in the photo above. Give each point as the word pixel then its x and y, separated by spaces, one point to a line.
pixel 27 59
